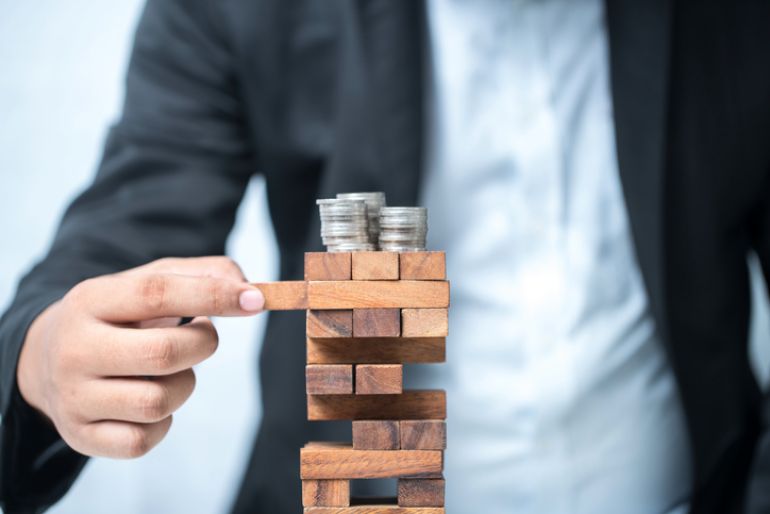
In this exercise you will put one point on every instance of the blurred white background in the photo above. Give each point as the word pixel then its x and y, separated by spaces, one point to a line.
pixel 61 85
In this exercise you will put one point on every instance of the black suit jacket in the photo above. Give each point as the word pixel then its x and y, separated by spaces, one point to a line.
pixel 325 96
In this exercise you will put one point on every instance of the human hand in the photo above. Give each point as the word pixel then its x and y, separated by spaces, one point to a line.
pixel 109 363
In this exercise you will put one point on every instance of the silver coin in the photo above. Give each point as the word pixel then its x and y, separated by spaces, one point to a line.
pixel 374 200
pixel 344 224
pixel 362 222
pixel 403 229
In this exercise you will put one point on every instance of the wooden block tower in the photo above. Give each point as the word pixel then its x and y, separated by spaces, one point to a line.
pixel 369 313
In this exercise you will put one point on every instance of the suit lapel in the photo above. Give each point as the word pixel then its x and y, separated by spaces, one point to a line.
pixel 639 41
pixel 393 43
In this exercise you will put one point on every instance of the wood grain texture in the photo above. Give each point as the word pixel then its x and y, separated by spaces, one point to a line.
pixel 422 266
pixel 341 461
pixel 282 296
pixel 379 379
pixel 421 492
pixel 375 509
pixel 378 294
pixel 376 435
pixel 408 405
pixel 423 434
pixel 328 266
pixel 335 323
pixel 329 379
pixel 326 493
pixel 376 322
pixel 375 265
pixel 424 322
pixel 376 350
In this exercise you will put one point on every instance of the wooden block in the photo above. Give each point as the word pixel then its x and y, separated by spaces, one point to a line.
pixel 423 434
pixel 424 322
pixel 376 322
pixel 326 493
pixel 284 296
pixel 328 266
pixel 376 350
pixel 375 509
pixel 323 324
pixel 378 294
pixel 408 405
pixel 376 435
pixel 379 379
pixel 329 379
pixel 375 265
pixel 422 266
pixel 341 461
pixel 421 492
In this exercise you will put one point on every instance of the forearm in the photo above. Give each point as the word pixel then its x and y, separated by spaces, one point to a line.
pixel 36 467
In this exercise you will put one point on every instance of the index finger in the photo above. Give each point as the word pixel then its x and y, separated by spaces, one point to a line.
pixel 128 298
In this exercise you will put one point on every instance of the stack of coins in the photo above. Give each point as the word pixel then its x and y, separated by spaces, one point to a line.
pixel 344 225
pixel 374 202
pixel 403 229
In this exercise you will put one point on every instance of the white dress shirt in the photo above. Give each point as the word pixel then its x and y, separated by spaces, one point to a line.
pixel 560 396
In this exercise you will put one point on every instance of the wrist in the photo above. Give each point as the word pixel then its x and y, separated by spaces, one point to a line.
pixel 30 372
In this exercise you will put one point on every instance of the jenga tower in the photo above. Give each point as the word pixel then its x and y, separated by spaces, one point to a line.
pixel 368 314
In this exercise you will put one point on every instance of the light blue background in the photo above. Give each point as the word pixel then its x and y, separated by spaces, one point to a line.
pixel 60 87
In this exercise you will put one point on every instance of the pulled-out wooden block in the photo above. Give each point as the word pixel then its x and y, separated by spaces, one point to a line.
pixel 424 322
pixel 376 350
pixel 378 294
pixel 284 296
pixel 376 435
pixel 422 266
pixel 408 405
pixel 341 461
pixel 421 492
pixel 326 493
pixel 329 379
pixel 375 265
pixel 337 323
pixel 379 379
pixel 375 509
pixel 423 434
pixel 328 266
pixel 376 322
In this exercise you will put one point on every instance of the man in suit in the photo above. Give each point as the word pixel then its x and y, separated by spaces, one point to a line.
pixel 666 101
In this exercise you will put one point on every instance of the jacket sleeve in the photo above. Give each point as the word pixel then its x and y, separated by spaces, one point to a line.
pixel 758 490
pixel 174 169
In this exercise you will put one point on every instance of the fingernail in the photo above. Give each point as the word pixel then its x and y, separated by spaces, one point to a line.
pixel 252 300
